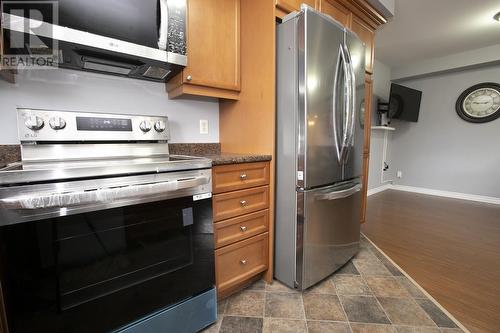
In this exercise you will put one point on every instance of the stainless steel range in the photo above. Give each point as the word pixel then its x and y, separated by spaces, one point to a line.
pixel 102 229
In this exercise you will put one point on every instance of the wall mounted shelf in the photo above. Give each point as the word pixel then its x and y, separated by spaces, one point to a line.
pixel 383 128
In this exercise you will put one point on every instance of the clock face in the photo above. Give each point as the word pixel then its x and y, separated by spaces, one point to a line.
pixel 480 103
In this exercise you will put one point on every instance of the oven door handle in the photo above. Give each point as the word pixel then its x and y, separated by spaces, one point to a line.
pixel 100 195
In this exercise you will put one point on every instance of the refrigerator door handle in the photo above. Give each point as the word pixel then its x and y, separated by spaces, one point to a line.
pixel 339 194
pixel 342 65
pixel 352 101
pixel 347 104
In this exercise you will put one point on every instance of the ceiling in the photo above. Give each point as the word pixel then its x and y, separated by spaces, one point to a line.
pixel 424 29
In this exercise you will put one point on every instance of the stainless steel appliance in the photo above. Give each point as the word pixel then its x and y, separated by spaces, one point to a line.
pixel 102 230
pixel 143 39
pixel 320 90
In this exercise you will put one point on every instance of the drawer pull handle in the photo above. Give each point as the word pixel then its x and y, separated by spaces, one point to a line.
pixel 243 177
pixel 243 228
pixel 243 262
pixel 243 203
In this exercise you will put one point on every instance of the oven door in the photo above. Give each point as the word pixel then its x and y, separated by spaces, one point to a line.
pixel 97 271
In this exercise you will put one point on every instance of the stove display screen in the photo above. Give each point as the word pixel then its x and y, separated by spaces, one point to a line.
pixel 103 124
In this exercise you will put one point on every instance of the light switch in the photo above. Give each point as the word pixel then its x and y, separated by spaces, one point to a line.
pixel 203 126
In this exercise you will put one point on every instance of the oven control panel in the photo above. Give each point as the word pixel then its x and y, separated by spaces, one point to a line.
pixel 60 126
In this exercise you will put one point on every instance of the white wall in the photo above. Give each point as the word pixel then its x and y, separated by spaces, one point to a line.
pixel 381 89
pixel 453 62
pixel 442 151
pixel 63 89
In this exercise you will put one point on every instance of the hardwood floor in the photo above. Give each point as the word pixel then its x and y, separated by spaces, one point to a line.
pixel 450 247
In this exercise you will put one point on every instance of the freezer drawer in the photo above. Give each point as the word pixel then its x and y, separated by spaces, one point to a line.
pixel 330 230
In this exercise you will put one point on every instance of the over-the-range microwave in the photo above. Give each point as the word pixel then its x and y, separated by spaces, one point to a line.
pixel 144 39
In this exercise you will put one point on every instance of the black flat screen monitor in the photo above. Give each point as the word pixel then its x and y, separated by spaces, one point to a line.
pixel 404 103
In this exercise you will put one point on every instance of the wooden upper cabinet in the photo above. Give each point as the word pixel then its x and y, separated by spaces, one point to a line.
pixel 338 12
pixel 289 6
pixel 367 34
pixel 213 50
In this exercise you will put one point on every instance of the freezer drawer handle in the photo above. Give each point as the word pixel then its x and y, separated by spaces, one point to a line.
pixel 339 194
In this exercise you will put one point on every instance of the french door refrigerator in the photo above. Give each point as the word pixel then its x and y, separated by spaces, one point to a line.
pixel 320 91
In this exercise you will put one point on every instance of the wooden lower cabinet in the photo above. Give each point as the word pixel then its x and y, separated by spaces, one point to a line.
pixel 241 227
pixel 241 224
pixel 236 263
pixel 239 176
pixel 242 202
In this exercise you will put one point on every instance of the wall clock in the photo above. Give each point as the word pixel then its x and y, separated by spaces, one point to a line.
pixel 479 103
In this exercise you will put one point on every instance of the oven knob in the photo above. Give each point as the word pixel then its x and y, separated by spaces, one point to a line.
pixel 34 123
pixel 160 126
pixel 57 123
pixel 145 126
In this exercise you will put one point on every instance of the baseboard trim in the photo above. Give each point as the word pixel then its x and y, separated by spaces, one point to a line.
pixel 438 193
pixel 379 189
pixel 447 194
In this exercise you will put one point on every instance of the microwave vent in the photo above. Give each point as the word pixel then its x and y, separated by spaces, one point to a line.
pixel 156 73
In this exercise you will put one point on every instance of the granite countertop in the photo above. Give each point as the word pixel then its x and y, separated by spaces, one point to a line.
pixel 213 152
pixel 230 158
pixel 12 153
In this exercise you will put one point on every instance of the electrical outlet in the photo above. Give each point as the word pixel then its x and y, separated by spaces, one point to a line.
pixel 400 174
pixel 203 126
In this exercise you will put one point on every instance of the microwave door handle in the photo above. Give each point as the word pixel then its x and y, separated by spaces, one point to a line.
pixel 104 195
pixel 163 30
pixel 335 195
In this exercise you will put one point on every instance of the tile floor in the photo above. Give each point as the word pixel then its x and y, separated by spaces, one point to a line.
pixel 367 295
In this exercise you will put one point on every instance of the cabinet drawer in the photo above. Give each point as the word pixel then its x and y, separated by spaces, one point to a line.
pixel 234 177
pixel 240 261
pixel 242 227
pixel 238 203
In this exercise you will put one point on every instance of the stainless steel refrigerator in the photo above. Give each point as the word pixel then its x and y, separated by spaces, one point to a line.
pixel 320 102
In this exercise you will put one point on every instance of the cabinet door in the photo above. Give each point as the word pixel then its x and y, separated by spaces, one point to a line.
pixel 367 35
pixel 337 12
pixel 213 44
pixel 292 5
pixel 366 150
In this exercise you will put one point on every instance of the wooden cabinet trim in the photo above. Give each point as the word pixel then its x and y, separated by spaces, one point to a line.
pixel 366 150
pixel 228 205
pixel 239 228
pixel 294 5
pixel 362 9
pixel 191 89
pixel 367 35
pixel 227 178
pixel 337 11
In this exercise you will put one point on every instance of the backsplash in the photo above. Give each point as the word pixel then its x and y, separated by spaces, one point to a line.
pixel 63 89
pixel 9 154
pixel 12 153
